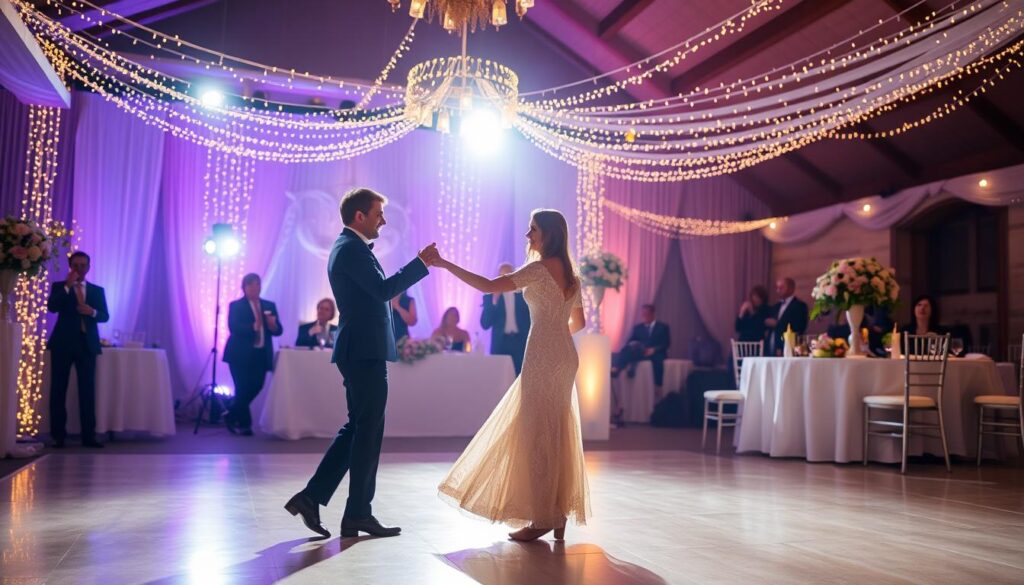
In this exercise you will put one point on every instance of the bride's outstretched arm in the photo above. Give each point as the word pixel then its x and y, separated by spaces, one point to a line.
pixel 480 283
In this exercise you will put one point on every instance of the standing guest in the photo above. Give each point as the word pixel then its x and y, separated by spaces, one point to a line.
pixel 249 352
pixel 788 312
pixel 403 314
pixel 649 340
pixel 75 341
pixel 508 317
pixel 319 333
pixel 750 323
pixel 457 338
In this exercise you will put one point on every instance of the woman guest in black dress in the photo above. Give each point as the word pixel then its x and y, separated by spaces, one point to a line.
pixel 926 318
pixel 403 314
pixel 753 312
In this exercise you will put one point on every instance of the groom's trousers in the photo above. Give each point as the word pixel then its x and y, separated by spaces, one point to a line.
pixel 356 448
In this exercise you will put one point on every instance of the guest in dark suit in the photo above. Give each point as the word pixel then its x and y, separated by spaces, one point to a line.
pixel 508 334
pixel 649 340
pixel 365 343
pixel 319 333
pixel 75 341
pixel 788 312
pixel 249 352
pixel 750 323
pixel 403 314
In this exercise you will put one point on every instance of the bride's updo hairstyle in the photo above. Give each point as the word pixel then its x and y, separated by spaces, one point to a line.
pixel 554 233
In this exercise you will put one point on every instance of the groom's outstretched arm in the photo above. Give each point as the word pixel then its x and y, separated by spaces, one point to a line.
pixel 359 265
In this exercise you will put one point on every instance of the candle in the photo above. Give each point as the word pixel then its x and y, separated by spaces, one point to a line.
pixel 896 344
pixel 789 341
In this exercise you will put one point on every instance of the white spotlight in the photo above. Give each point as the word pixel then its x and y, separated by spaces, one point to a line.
pixel 983 183
pixel 481 130
pixel 212 98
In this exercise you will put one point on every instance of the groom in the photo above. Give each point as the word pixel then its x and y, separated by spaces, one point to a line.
pixel 365 343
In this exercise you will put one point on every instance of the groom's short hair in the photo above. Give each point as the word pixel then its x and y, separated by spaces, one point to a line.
pixel 359 199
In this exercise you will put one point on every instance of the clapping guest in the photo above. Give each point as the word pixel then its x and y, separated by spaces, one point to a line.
pixel 788 312
pixel 449 329
pixel 750 323
pixel 403 314
pixel 75 341
pixel 319 333
pixel 508 317
pixel 249 352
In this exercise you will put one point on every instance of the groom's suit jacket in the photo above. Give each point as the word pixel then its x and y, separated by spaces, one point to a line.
pixel 363 292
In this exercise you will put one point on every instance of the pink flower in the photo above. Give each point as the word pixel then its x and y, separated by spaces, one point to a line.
pixel 831 290
pixel 19 252
pixel 34 253
pixel 22 229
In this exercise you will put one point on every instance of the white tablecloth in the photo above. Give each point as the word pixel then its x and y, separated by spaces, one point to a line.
pixel 133 393
pixel 10 355
pixel 637 393
pixel 812 408
pixel 444 395
pixel 1008 374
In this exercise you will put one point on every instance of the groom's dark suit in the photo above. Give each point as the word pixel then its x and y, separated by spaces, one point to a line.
pixel 365 343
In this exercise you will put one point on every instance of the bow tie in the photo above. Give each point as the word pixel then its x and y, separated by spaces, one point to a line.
pixel 370 245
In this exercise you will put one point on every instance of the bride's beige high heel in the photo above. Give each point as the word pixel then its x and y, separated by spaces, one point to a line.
pixel 531 533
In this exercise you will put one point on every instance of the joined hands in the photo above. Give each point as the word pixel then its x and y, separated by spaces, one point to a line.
pixel 431 257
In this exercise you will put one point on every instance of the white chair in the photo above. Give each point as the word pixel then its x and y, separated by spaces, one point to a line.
pixel 925 358
pixel 740 350
pixel 1002 404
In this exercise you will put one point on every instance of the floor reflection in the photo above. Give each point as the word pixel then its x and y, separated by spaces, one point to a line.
pixel 544 561
pixel 269 565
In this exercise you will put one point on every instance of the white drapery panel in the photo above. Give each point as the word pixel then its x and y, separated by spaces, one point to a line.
pixel 117 170
pixel 1002 187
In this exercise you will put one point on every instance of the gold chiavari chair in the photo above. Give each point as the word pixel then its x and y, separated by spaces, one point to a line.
pixel 925 359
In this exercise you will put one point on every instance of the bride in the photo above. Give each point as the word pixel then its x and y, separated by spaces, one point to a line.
pixel 525 465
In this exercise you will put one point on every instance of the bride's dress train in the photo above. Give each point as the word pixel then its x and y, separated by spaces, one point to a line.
pixel 525 464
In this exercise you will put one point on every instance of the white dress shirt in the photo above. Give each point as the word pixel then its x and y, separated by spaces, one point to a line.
pixel 510 313
pixel 259 319
pixel 784 306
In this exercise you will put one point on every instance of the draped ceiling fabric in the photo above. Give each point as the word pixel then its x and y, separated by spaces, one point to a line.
pixel 1005 187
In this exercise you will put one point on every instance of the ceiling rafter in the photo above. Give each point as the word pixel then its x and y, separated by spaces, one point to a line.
pixel 620 16
pixel 895 155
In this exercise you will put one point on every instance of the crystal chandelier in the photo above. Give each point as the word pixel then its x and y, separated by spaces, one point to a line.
pixel 460 15
pixel 449 86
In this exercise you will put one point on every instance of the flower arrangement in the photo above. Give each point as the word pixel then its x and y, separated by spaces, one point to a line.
pixel 413 350
pixel 855 281
pixel 824 346
pixel 602 269
pixel 25 246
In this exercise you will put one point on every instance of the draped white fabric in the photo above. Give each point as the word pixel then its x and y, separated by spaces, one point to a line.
pixel 1003 187
pixel 116 196
pixel 721 270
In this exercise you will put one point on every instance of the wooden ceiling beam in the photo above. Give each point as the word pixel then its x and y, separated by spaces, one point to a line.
pixel 620 16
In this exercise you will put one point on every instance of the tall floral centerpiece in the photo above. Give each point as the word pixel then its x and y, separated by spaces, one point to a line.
pixel 25 246
pixel 600 271
pixel 850 285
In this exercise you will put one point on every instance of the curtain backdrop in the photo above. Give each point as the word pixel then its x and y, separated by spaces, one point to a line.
pixel 116 195
pixel 722 269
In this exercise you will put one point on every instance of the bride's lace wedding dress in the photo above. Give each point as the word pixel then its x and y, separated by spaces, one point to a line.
pixel 525 464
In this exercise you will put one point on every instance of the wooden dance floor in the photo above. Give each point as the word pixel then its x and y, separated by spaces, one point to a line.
pixel 658 517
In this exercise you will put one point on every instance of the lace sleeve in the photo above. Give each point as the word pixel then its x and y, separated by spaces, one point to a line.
pixel 528 275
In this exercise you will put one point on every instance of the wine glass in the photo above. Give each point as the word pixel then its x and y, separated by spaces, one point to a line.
pixel 956 346
pixel 321 341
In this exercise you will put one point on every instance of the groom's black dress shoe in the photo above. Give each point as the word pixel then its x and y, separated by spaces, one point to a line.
pixel 310 511
pixel 353 526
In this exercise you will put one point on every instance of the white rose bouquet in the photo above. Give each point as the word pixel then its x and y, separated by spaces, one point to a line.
pixel 602 269
pixel 855 281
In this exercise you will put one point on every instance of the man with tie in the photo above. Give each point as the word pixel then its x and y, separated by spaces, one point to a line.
pixel 508 317
pixel 249 352
pixel 788 312
pixel 75 341
pixel 650 340
pixel 319 333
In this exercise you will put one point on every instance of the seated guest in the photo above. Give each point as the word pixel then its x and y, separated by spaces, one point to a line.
pixel 750 324
pixel 319 333
pixel 788 312
pixel 878 322
pixel 457 338
pixel 926 318
pixel 249 353
pixel 649 340
pixel 403 314
pixel 75 342
pixel 508 318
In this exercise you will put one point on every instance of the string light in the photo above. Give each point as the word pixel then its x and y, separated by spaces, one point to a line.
pixel 458 216
pixel 685 227
pixel 590 191
pixel 403 47
pixel 983 183
pixel 30 304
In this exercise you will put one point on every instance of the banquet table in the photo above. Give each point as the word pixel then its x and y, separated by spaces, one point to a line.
pixel 444 395
pixel 133 393
pixel 10 355
pixel 812 408
pixel 637 393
